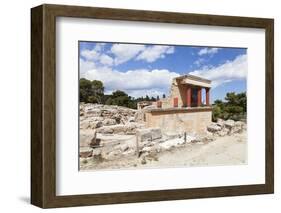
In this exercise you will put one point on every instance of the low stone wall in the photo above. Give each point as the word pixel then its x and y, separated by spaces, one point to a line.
pixel 190 120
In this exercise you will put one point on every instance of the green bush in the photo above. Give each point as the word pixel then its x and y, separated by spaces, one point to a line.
pixel 90 91
pixel 234 108
pixel 216 113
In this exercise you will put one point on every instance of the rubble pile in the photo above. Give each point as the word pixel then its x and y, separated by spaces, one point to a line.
pixel 113 132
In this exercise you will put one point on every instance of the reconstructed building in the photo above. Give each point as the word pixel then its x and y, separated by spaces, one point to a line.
pixel 186 109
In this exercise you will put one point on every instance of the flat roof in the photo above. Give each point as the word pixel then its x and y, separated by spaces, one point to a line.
pixel 193 77
pixel 194 80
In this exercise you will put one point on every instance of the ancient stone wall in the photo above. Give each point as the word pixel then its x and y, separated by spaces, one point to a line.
pixel 190 121
pixel 166 102
pixel 175 93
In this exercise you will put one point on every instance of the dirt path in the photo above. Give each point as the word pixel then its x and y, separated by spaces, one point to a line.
pixel 227 150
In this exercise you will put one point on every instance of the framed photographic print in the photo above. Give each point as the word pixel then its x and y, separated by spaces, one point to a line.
pixel 136 106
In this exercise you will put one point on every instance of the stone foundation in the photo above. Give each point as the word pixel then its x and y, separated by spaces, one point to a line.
pixel 191 120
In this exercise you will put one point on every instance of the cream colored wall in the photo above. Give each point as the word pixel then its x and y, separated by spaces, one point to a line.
pixel 166 102
pixel 174 92
pixel 179 122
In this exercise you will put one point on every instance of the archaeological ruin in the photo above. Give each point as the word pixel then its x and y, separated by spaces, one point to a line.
pixel 186 109
pixel 114 137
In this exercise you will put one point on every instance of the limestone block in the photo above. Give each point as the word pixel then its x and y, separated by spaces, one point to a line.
pixel 213 127
pixel 229 123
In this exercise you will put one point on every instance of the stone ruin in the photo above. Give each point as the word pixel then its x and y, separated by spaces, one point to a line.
pixel 111 132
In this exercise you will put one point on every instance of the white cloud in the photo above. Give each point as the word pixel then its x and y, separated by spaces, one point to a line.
pixel 121 53
pixel 208 51
pixel 95 56
pixel 125 52
pixel 227 72
pixel 86 65
pixel 154 92
pixel 152 53
pixel 90 54
pixel 99 47
pixel 106 60
pixel 199 61
pixel 135 82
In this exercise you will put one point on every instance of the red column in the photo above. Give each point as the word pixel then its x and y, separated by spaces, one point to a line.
pixel 188 97
pixel 176 102
pixel 199 97
pixel 207 96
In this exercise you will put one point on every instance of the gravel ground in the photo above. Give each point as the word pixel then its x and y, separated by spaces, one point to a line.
pixel 227 150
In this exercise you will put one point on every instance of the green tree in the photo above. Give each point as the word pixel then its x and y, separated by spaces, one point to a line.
pixel 118 93
pixel 216 113
pixel 121 98
pixel 235 107
pixel 153 99
pixel 91 91
pixel 220 104
pixel 232 99
pixel 108 101
pixel 243 101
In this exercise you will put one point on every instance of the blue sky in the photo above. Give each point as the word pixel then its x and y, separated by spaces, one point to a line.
pixel 144 69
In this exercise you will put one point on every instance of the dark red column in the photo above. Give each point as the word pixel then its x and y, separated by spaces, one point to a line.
pixel 207 96
pixel 199 96
pixel 188 97
pixel 176 102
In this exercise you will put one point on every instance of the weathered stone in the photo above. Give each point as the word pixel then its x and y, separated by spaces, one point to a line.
pixel 124 147
pixel 129 129
pixel 95 124
pixel 101 119
pixel 97 115
pixel 93 112
pixel 156 133
pixel 96 152
pixel 144 134
pixel 105 130
pixel 109 122
pixel 213 127
pixel 150 107
pixel 220 122
pixel 86 138
pixel 228 127
pixel 120 129
pixel 205 139
pixel 95 143
pixel 86 154
pixel 139 116
pixel 229 123
pixel 238 127
pixel 223 132
pixel 172 143
pixel 131 119
pixel 143 161
pixel 84 124
pixel 113 154
pixel 90 124
pixel 147 149
pixel 149 134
